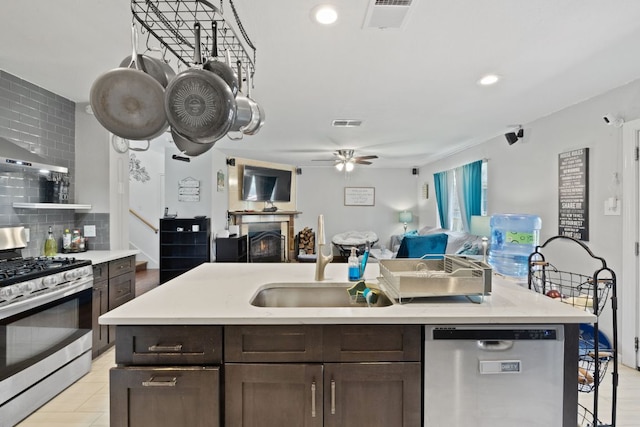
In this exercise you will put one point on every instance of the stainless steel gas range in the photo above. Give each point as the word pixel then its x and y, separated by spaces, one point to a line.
pixel 45 326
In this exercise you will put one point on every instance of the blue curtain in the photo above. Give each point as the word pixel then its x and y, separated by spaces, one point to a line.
pixel 442 197
pixel 471 191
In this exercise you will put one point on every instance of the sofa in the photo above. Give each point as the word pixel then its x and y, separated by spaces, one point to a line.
pixel 430 241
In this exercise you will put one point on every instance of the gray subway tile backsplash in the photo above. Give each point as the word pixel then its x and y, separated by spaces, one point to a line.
pixel 31 115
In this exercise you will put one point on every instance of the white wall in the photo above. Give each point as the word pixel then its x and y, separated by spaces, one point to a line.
pixel 198 168
pixel 92 164
pixel 321 191
pixel 523 178
pixel 146 198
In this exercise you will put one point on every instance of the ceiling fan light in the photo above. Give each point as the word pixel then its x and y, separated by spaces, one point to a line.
pixel 349 166
pixel 340 166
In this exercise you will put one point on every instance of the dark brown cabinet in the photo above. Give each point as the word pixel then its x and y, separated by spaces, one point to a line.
pixel 268 376
pixel 273 395
pixel 171 396
pixel 184 244
pixel 166 376
pixel 114 283
pixel 231 249
pixel 372 394
pixel 100 305
pixel 336 375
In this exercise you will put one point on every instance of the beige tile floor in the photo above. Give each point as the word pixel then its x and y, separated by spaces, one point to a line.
pixel 86 403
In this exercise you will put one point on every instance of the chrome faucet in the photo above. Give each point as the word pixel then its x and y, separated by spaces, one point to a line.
pixel 321 259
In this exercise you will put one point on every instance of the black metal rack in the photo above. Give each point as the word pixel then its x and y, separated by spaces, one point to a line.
pixel 588 292
pixel 171 23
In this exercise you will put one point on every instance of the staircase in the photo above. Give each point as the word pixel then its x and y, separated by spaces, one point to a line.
pixel 146 279
pixel 141 265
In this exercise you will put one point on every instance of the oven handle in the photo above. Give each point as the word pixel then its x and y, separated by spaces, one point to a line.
pixel 18 307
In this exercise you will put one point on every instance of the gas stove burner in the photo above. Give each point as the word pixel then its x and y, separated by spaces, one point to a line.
pixel 14 270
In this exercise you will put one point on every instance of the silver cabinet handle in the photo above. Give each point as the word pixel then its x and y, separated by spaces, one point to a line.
pixel 151 382
pixel 165 348
pixel 313 399
pixel 333 397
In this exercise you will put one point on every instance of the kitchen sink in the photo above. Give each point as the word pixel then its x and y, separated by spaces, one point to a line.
pixel 312 294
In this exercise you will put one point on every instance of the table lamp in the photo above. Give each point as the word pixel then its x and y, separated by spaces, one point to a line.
pixel 405 217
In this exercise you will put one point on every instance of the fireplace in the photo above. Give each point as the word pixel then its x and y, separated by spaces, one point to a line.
pixel 266 246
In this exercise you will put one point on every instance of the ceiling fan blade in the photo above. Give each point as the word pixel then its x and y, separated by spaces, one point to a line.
pixel 362 162
pixel 366 157
pixel 324 160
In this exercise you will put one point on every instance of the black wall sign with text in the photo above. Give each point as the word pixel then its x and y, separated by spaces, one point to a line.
pixel 573 194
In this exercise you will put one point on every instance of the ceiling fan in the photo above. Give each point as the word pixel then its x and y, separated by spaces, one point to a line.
pixel 345 160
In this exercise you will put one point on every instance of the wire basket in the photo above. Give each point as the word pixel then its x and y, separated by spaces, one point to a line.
pixel 575 289
pixel 588 379
pixel 586 418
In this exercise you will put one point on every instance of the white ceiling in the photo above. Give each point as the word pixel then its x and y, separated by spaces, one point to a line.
pixel 414 88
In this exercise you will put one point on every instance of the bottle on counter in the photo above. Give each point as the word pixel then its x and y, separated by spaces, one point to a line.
pixel 50 244
pixel 66 241
pixel 354 265
pixel 75 241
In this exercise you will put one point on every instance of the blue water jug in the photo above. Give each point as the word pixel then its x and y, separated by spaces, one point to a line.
pixel 513 238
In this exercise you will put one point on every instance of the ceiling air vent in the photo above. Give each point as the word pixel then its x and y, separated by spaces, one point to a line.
pixel 346 123
pixel 387 13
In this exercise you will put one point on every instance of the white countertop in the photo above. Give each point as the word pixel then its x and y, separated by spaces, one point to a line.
pixel 97 257
pixel 220 293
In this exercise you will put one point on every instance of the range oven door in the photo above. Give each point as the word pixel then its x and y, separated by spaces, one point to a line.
pixel 42 340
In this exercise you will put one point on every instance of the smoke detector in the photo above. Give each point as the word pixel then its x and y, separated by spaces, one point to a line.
pixel 387 13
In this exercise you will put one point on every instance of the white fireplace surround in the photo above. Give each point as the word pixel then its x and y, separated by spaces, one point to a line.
pixel 257 223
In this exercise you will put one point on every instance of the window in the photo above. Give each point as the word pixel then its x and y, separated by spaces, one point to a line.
pixel 452 195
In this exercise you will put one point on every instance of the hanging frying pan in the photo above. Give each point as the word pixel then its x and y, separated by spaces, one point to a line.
pixel 156 68
pixel 198 103
pixel 243 112
pixel 129 102
pixel 220 68
pixel 188 147
pixel 257 113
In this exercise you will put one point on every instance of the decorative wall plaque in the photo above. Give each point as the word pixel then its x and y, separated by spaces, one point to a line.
pixel 189 190
pixel 573 194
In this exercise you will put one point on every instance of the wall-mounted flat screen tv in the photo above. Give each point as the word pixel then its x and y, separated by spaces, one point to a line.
pixel 260 184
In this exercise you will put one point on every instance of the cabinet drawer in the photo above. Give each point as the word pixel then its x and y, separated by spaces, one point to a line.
pixel 169 345
pixel 121 289
pixel 100 271
pixel 187 396
pixel 122 266
pixel 286 343
pixel 372 343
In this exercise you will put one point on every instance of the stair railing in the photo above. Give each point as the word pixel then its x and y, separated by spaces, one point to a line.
pixel 144 221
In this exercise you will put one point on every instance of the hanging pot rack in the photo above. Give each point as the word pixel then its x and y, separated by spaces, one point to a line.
pixel 170 22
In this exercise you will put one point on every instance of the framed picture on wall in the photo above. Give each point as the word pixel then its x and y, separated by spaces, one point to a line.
pixel 359 196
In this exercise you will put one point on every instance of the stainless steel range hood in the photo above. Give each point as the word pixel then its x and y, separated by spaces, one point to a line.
pixel 16 156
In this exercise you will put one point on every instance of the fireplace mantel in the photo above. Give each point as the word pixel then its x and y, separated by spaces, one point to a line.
pixel 244 218
pixel 276 213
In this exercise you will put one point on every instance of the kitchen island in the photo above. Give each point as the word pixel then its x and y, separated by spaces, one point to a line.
pixel 201 328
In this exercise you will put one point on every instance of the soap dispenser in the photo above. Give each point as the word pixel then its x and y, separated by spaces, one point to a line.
pixel 354 265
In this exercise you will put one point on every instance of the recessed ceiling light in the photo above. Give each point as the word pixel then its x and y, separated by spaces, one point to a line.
pixel 489 80
pixel 324 14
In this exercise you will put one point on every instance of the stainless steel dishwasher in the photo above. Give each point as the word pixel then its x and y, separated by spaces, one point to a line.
pixel 497 376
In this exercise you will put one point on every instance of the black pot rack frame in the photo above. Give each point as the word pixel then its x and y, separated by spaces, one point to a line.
pixel 171 22
pixel 586 292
